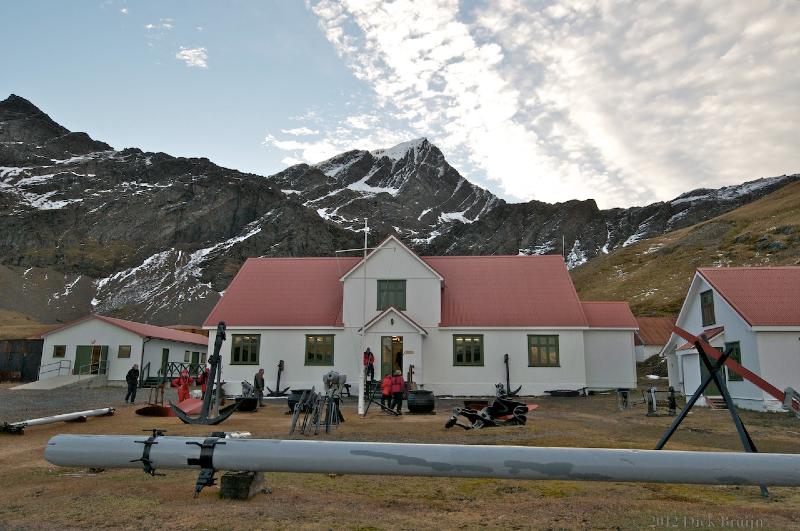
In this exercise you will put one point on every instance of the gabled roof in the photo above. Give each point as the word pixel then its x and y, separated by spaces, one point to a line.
pixel 389 238
pixel 284 292
pixel 141 329
pixel 609 314
pixel 528 291
pixel 479 291
pixel 711 333
pixel 400 314
pixel 655 330
pixel 763 296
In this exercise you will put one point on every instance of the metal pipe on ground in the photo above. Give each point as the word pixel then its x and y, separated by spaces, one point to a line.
pixel 18 427
pixel 440 460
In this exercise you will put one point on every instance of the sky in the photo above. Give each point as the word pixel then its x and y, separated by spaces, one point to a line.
pixel 625 102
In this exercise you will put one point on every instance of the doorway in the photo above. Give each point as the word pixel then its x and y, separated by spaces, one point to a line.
pixel 90 359
pixel 391 354
pixel 711 389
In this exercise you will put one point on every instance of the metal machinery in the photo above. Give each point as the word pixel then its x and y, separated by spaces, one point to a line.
pixel 215 374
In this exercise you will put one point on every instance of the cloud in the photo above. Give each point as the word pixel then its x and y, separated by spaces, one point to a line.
pixel 300 131
pixel 193 57
pixel 124 10
pixel 163 25
pixel 627 102
pixel 291 161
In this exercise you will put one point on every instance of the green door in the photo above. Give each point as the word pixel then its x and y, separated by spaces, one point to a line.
pixel 83 358
pixel 711 389
pixel 164 360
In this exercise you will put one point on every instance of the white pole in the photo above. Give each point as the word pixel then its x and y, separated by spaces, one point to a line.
pixel 361 371
pixel 445 460
pixel 21 425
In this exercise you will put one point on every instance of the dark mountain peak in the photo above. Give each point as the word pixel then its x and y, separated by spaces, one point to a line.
pixel 401 150
pixel 17 106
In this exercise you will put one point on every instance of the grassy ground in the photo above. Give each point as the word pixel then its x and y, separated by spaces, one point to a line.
pixel 654 275
pixel 38 495
pixel 14 325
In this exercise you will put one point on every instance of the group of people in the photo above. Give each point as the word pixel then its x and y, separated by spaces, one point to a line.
pixel 393 386
pixel 182 383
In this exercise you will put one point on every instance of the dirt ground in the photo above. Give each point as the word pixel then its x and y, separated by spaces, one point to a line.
pixel 37 495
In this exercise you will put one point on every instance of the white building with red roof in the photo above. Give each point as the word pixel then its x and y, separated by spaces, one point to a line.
pixel 452 318
pixel 755 311
pixel 101 345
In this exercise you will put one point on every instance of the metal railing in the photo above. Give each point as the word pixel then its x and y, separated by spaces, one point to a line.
pixel 174 369
pixel 56 367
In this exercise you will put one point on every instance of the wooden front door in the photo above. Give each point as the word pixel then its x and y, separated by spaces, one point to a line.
pixel 391 354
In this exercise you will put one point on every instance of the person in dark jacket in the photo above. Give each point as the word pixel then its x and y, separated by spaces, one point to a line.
pixel 133 381
pixel 398 387
pixel 258 386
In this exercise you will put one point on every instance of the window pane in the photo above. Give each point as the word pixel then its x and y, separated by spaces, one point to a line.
pixel 124 351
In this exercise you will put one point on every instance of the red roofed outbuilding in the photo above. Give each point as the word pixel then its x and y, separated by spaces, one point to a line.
pixel 102 345
pixel 754 311
pixel 453 318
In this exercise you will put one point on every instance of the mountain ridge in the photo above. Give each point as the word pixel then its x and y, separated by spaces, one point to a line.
pixel 149 236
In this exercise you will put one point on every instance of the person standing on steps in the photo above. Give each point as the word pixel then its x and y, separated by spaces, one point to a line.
pixel 398 387
pixel 258 386
pixel 132 378
pixel 369 364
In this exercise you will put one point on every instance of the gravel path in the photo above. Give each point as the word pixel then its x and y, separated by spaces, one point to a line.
pixel 27 404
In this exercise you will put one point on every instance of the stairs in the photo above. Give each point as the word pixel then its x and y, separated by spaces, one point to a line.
pixel 151 382
pixel 716 402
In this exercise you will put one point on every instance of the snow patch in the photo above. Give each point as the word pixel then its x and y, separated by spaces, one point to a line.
pixel 399 151
pixel 446 217
pixel 433 235
pixel 576 256
pixel 423 213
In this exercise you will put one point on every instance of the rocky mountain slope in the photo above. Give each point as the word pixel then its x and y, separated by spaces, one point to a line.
pixel 153 237
pixel 409 190
pixel 85 227
pixel 587 231
pixel 653 275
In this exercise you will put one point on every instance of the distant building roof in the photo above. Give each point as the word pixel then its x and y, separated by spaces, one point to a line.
pixel 655 330
pixel 763 296
pixel 144 330
pixel 609 314
pixel 477 291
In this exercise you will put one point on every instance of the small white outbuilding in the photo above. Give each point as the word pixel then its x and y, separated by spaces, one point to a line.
pixel 100 345
pixel 753 310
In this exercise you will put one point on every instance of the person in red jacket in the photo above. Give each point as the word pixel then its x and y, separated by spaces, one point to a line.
pixel 202 380
pixel 182 382
pixel 398 387
pixel 386 391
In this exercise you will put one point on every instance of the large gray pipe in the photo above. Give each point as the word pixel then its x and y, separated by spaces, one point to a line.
pixel 505 462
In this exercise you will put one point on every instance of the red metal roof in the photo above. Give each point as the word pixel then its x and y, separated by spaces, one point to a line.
pixel 477 291
pixel 144 330
pixel 655 330
pixel 284 292
pixel 711 333
pixel 763 296
pixel 609 314
pixel 507 291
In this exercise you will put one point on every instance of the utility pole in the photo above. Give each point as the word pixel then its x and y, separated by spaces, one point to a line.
pixel 361 370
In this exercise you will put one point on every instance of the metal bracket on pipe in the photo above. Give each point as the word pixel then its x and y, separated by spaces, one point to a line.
pixel 205 462
pixel 147 465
